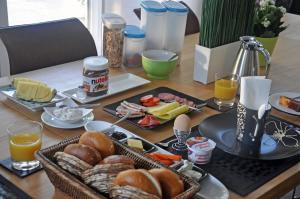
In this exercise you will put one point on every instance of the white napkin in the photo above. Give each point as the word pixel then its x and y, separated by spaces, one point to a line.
pixel 255 91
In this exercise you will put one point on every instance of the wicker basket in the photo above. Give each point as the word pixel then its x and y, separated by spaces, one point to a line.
pixel 74 187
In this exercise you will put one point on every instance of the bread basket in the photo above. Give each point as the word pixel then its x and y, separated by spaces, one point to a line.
pixel 75 188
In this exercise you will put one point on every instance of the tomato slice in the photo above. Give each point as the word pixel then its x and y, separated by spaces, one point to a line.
pixel 149 120
pixel 145 121
pixel 146 98
pixel 155 100
pixel 149 104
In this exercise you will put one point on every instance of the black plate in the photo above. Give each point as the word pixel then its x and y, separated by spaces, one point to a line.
pixel 222 129
pixel 111 108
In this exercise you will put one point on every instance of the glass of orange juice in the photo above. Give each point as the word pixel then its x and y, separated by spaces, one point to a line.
pixel 25 138
pixel 225 90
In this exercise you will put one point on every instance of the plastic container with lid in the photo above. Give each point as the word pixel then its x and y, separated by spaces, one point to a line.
pixel 95 75
pixel 175 26
pixel 153 16
pixel 134 42
pixel 113 26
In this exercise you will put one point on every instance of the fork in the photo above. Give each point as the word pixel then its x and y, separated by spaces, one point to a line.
pixel 198 107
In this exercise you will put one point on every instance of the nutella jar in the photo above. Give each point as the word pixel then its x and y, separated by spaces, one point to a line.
pixel 95 75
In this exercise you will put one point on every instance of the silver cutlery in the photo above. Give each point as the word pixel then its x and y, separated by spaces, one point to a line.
pixel 81 106
pixel 166 144
pixel 112 126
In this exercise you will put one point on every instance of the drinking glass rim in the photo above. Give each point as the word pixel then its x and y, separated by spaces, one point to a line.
pixel 24 122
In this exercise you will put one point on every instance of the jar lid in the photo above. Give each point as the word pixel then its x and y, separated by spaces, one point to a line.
pixel 174 6
pixel 153 6
pixel 131 31
pixel 95 63
pixel 113 21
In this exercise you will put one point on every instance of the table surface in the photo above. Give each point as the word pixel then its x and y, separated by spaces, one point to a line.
pixel 67 76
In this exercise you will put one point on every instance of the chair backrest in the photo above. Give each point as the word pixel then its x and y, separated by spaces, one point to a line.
pixel 35 46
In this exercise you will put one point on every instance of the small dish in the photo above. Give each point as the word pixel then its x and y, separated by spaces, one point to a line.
pixel 274 101
pixel 99 126
pixel 50 121
pixel 61 114
pixel 157 63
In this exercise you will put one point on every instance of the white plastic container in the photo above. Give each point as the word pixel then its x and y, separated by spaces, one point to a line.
pixel 175 26
pixel 134 43
pixel 153 17
pixel 113 37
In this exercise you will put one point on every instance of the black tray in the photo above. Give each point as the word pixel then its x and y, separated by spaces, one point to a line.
pixel 222 129
pixel 239 174
pixel 9 191
pixel 111 108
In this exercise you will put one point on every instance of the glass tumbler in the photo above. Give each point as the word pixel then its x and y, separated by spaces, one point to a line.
pixel 25 138
pixel 225 90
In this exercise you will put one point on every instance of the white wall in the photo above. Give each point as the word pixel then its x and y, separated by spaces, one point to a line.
pixel 3 13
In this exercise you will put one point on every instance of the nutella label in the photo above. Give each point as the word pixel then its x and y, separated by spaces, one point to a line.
pixel 96 82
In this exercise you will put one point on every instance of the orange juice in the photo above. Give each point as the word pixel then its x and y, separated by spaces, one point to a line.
pixel 22 146
pixel 225 89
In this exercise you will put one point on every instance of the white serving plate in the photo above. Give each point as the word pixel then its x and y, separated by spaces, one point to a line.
pixel 116 85
pixel 10 92
pixel 95 126
pixel 212 188
pixel 274 101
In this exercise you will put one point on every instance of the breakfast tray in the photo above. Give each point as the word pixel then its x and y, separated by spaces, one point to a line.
pixel 74 187
pixel 111 108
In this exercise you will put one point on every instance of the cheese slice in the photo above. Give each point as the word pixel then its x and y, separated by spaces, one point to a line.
pixel 134 143
pixel 174 112
pixel 161 110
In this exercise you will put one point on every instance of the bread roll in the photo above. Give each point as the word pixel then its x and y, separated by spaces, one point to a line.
pixel 85 153
pixel 99 141
pixel 170 182
pixel 141 179
pixel 114 159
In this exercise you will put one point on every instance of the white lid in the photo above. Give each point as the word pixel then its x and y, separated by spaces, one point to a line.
pixel 95 63
pixel 113 21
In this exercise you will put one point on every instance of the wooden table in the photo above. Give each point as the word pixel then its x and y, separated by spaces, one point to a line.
pixel 39 186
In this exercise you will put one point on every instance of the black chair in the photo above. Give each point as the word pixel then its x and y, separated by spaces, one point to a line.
pixel 36 46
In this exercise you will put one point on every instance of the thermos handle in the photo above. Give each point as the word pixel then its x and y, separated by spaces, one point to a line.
pixel 267 57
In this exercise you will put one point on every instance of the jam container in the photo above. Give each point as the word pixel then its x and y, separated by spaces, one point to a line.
pixel 200 149
pixel 134 41
pixel 95 75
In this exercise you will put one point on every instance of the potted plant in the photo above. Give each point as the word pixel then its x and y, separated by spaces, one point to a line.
pixel 268 24
pixel 222 23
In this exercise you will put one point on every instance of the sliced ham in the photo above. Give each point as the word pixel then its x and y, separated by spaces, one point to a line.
pixel 166 96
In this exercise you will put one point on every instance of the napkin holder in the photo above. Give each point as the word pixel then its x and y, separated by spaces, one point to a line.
pixel 250 129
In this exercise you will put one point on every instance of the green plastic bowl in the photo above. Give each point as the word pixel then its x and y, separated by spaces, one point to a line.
pixel 157 65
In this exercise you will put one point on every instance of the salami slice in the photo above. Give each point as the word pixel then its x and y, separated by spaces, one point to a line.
pixel 166 96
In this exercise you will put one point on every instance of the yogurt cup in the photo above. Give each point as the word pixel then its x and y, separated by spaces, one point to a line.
pixel 200 149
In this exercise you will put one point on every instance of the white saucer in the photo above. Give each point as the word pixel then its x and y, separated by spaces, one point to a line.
pixel 274 101
pixel 47 119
